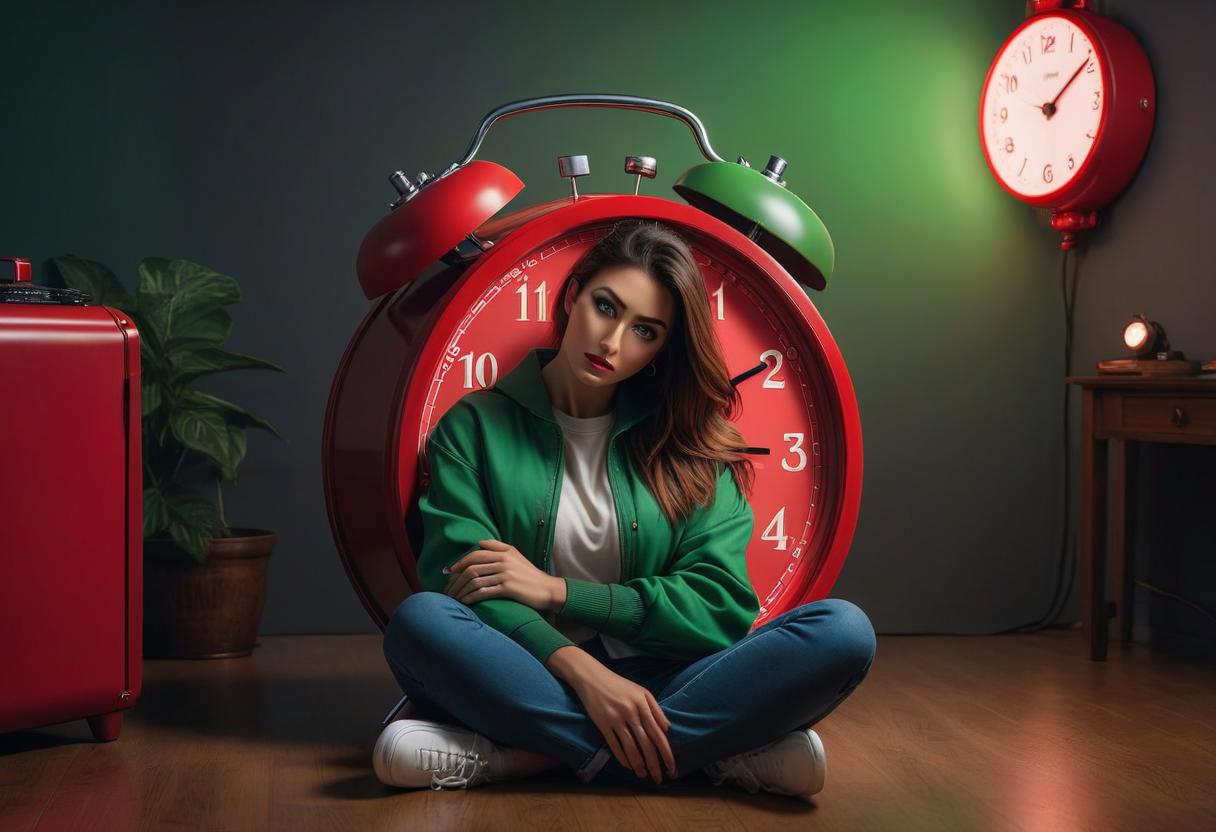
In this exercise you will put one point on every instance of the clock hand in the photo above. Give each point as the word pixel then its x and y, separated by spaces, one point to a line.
pixel 1049 109
pixel 748 373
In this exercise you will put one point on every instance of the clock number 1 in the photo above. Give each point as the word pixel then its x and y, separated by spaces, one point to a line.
pixel 718 293
pixel 541 306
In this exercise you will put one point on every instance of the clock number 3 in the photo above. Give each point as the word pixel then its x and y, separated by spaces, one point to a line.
pixel 796 448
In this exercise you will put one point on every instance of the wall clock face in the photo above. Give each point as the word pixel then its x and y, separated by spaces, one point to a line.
pixel 1043 107
pixel 799 411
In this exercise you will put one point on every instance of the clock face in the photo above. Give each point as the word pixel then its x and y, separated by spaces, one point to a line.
pixel 786 409
pixel 1043 107
pixel 461 327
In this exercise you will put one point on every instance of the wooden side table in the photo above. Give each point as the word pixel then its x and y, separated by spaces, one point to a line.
pixel 1124 410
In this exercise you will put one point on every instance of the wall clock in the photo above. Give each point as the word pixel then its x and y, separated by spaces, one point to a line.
pixel 1066 113
pixel 461 298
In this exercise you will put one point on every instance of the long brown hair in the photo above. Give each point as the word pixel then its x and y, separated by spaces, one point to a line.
pixel 676 448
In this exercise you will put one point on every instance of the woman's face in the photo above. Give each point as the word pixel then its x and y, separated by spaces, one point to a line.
pixel 622 316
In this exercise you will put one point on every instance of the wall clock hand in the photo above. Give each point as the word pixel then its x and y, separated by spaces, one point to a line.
pixel 1049 109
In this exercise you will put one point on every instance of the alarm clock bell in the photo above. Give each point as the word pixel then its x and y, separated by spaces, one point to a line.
pixel 442 217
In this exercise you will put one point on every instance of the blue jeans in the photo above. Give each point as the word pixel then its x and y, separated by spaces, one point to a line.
pixel 788 674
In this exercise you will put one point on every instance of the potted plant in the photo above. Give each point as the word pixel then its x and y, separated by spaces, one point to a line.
pixel 204 581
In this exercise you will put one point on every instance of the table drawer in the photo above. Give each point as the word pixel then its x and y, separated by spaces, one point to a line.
pixel 1171 414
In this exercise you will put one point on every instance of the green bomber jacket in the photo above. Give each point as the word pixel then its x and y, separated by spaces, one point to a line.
pixel 496 469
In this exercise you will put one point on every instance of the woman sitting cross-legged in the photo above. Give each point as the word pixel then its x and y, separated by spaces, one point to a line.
pixel 587 601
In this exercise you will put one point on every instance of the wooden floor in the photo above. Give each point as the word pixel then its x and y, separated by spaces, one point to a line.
pixel 951 733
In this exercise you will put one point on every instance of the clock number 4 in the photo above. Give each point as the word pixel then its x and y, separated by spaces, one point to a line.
pixel 775 531
pixel 542 305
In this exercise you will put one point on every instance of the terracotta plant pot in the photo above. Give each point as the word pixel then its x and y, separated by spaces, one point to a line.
pixel 210 610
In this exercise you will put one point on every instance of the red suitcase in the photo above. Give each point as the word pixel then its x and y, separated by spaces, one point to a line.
pixel 71 508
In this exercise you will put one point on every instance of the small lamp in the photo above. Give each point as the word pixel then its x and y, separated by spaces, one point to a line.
pixel 1147 342
pixel 1145 338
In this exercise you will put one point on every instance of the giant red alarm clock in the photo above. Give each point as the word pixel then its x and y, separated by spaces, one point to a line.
pixel 1066 113
pixel 461 299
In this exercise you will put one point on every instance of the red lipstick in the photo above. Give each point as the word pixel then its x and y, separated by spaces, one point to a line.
pixel 596 361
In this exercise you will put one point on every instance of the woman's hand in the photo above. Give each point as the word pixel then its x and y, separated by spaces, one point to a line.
pixel 630 720
pixel 499 570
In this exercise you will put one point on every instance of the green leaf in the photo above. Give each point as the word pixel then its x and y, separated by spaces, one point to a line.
pixel 203 429
pixel 184 300
pixel 209 330
pixel 94 278
pixel 235 413
pixel 150 345
pixel 190 364
pixel 157 515
pixel 236 451
pixel 194 524
pixel 150 397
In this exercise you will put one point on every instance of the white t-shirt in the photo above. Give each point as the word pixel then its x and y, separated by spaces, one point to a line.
pixel 586 537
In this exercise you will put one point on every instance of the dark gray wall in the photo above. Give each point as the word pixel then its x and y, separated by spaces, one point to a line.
pixel 256 138
pixel 1153 254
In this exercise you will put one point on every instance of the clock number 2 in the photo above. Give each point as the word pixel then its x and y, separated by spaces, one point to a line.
pixel 541 305
pixel 769 382
pixel 482 360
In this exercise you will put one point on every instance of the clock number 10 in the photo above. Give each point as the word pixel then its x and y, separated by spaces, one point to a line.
pixel 486 359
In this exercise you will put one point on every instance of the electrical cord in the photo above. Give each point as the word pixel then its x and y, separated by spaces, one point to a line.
pixel 1068 548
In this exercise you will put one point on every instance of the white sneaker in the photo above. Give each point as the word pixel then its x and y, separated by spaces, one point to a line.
pixel 794 765
pixel 413 753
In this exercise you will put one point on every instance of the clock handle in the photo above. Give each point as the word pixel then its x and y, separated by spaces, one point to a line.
pixel 1041 6
pixel 627 102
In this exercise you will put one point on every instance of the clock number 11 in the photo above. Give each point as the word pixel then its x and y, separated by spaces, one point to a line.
pixel 542 306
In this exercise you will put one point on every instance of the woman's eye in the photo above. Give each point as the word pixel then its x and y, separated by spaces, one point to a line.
pixel 649 336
